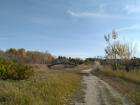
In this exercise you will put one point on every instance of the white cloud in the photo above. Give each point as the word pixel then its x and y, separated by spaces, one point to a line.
pixel 85 14
pixel 100 14
pixel 132 8
pixel 132 27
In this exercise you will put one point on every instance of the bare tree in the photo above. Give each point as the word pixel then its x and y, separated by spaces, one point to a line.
pixel 116 49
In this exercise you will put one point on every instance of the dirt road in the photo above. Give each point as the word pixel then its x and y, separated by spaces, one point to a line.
pixel 98 92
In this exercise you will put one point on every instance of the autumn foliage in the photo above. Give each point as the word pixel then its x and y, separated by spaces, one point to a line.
pixel 27 57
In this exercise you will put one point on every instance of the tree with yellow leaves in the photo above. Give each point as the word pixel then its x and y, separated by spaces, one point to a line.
pixel 117 49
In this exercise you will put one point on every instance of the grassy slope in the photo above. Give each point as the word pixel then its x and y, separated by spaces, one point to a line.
pixel 128 83
pixel 45 88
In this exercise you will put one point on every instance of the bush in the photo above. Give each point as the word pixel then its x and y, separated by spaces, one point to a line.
pixel 97 67
pixel 15 71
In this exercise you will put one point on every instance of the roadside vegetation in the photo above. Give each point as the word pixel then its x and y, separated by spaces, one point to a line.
pixel 15 71
pixel 44 88
pixel 128 76
pixel 25 78
pixel 127 83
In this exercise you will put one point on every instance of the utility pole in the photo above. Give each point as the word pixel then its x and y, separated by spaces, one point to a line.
pixel 114 36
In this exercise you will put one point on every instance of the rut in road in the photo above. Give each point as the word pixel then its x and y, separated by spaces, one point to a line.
pixel 98 92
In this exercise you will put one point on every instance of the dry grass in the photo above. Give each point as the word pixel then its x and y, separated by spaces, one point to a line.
pixel 128 83
pixel 45 88
pixel 130 76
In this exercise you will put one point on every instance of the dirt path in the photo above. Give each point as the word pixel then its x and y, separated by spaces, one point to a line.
pixel 98 92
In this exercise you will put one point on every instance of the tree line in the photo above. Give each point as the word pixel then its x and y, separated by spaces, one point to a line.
pixel 28 57
pixel 36 57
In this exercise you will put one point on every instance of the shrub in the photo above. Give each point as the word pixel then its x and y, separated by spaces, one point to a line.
pixel 97 67
pixel 15 71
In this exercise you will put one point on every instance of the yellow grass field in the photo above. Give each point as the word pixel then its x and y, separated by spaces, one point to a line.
pixel 45 88
pixel 130 76
pixel 128 83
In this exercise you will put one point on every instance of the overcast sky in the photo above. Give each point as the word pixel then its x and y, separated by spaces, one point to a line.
pixel 67 27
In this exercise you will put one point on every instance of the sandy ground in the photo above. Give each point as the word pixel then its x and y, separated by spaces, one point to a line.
pixel 98 92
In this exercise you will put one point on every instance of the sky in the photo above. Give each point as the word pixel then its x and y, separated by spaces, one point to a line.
pixel 73 28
